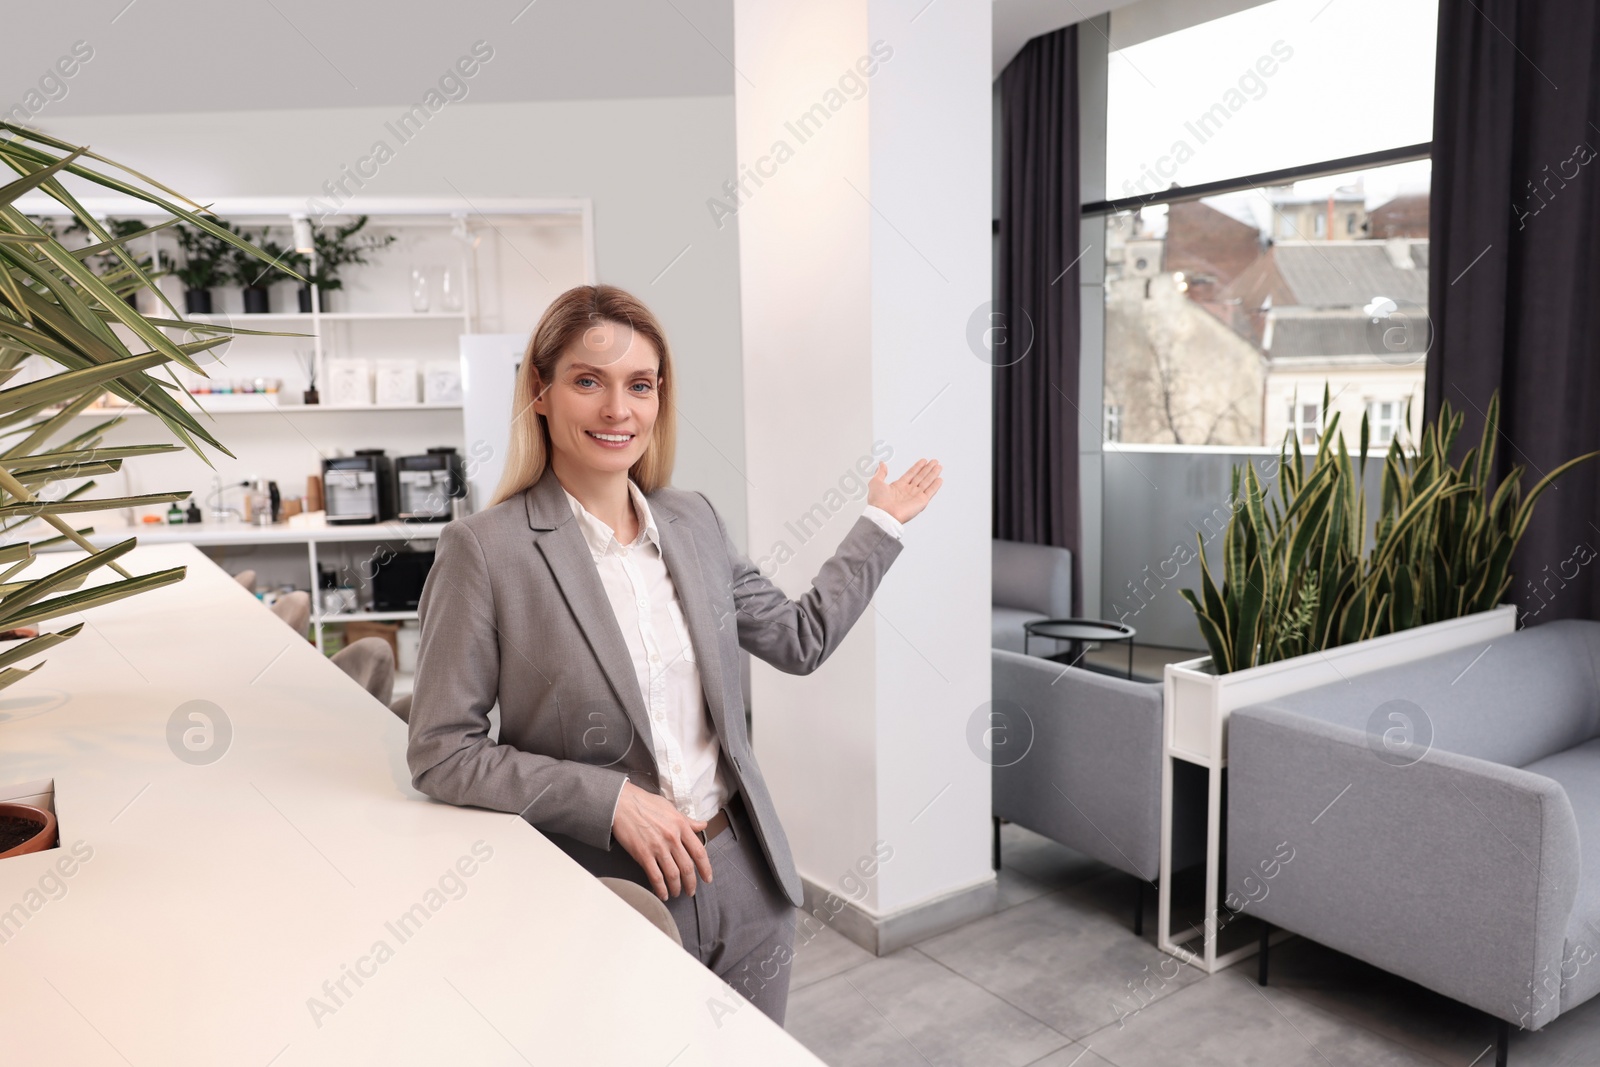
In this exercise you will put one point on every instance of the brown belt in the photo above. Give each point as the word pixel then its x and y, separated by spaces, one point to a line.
pixel 718 823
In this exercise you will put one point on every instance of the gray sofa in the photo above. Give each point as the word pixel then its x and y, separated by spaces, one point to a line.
pixel 1471 864
pixel 1076 758
pixel 1030 582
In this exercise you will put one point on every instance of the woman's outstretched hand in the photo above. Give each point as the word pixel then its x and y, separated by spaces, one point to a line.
pixel 908 494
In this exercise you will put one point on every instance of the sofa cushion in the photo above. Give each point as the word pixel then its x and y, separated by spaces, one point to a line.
pixel 1007 630
pixel 1516 699
pixel 1577 770
pixel 1032 577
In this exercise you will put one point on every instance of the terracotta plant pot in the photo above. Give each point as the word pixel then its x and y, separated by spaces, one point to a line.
pixel 24 829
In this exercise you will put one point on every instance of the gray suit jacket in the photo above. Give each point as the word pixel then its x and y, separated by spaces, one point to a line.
pixel 513 610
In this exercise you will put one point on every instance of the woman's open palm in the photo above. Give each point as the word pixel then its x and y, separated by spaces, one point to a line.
pixel 908 494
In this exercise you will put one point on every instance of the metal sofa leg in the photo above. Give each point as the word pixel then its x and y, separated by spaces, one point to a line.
pixel 1266 941
pixel 1138 911
pixel 996 860
pixel 1502 1042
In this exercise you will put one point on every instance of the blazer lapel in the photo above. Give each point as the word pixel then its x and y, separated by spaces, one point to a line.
pixel 567 553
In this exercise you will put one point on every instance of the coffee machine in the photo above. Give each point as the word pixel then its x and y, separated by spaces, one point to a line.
pixel 358 488
pixel 426 485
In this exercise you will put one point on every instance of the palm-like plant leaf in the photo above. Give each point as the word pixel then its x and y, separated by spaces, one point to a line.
pixel 1298 575
pixel 58 312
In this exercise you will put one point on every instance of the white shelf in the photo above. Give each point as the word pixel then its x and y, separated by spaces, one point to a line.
pixel 237 533
pixel 229 407
pixel 242 318
pixel 367 616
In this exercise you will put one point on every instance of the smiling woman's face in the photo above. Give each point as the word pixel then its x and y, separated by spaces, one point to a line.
pixel 602 402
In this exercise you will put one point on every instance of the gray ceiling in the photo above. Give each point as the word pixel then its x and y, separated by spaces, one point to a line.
pixel 158 56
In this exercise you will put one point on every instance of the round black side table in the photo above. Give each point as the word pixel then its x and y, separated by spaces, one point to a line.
pixel 1080 632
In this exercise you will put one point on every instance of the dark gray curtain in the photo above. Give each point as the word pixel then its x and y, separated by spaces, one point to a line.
pixel 1514 280
pixel 1034 328
pixel 1514 276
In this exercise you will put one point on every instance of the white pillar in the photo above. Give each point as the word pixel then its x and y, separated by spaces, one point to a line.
pixel 863 211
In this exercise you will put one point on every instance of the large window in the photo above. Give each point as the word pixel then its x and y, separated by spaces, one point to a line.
pixel 1277 85
pixel 1229 314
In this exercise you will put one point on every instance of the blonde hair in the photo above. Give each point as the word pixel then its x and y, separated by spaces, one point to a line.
pixel 562 323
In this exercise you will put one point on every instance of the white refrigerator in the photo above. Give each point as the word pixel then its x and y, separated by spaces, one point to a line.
pixel 489 364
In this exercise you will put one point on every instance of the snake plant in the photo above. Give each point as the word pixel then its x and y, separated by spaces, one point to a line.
pixel 53 305
pixel 1299 577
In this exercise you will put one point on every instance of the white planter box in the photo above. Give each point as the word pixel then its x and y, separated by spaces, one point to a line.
pixel 1198 702
pixel 1195 729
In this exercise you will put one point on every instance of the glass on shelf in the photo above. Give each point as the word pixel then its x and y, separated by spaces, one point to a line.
pixel 419 289
pixel 449 290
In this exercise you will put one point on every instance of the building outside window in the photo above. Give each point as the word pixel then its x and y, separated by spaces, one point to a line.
pixel 1271 289
pixel 1385 421
pixel 1305 422
pixel 1113 426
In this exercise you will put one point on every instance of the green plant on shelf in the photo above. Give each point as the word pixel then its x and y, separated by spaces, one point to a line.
pixel 251 273
pixel 204 258
pixel 1298 576
pixel 54 306
pixel 338 247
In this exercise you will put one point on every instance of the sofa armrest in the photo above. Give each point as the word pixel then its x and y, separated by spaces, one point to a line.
pixel 1455 872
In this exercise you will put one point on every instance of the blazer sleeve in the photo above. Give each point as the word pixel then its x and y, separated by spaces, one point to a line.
pixel 797 636
pixel 450 753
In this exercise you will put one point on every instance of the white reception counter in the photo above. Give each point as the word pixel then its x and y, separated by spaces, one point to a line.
pixel 293 900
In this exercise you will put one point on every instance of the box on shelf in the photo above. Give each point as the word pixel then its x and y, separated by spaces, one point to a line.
pixel 397 382
pixel 349 382
pixel 441 383
pixel 355 631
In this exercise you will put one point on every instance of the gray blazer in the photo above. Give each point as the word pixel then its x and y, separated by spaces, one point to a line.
pixel 513 610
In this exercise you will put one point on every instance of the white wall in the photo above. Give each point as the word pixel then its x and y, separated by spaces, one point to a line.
pixel 647 164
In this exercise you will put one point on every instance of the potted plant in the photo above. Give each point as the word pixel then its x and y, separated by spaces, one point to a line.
pixel 202 267
pixel 246 266
pixel 1304 601
pixel 24 829
pixel 47 294
pixel 337 247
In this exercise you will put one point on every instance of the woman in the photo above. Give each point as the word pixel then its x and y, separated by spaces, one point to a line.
pixel 604 610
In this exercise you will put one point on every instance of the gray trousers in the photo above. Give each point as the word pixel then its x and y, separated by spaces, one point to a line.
pixel 740 925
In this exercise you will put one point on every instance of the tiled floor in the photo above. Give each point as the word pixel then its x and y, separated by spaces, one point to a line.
pixel 1056 978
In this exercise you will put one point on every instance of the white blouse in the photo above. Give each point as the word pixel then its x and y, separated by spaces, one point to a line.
pixel 689 762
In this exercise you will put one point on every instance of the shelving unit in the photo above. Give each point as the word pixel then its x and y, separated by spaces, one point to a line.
pixel 511 257
pixel 466 227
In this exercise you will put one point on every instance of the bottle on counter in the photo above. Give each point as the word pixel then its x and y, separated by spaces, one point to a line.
pixel 193 514
pixel 174 515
